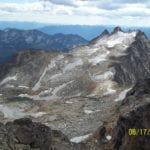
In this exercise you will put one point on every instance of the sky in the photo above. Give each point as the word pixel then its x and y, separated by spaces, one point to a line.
pixel 83 12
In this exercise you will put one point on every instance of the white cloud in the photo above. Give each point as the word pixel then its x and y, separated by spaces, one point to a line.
pixel 115 12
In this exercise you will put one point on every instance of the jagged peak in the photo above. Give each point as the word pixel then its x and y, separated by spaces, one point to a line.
pixel 117 29
pixel 105 32
pixel 141 34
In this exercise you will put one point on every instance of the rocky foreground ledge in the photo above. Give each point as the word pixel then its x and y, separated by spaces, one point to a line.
pixel 23 134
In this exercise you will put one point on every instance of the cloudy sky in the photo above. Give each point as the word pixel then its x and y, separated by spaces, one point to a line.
pixel 90 12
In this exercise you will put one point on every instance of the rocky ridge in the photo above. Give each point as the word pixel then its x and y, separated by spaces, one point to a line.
pixel 14 40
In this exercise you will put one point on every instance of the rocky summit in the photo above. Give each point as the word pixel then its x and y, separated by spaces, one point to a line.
pixel 90 96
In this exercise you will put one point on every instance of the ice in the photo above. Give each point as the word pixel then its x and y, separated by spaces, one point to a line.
pixel 112 43
pixel 55 76
pixel 46 91
pixel 110 90
pixel 70 66
pixel 38 114
pixel 117 38
pixel 11 112
pixel 52 96
pixel 121 38
pixel 99 58
pixel 108 137
pixel 7 79
pixel 80 138
pixel 9 86
pixel 88 111
pixel 51 65
pixel 69 102
pixel 105 76
pixel 38 84
pixel 122 94
pixel 60 87
pixel 24 87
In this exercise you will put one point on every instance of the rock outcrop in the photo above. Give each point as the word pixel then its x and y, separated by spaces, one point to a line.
pixel 135 64
pixel 132 127
pixel 23 134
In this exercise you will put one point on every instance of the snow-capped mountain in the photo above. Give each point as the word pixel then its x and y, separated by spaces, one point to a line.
pixel 74 92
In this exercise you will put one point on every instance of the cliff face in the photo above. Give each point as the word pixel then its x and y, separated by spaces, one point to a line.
pixel 135 110
pixel 135 64
pixel 137 120
pixel 23 134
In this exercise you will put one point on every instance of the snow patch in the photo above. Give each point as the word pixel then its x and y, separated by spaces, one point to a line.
pixel 45 92
pixel 55 76
pixel 60 87
pixel 70 66
pixel 88 111
pixel 24 87
pixel 38 114
pixel 7 79
pixel 108 137
pixel 109 89
pixel 105 76
pixel 80 138
pixel 11 112
pixel 120 38
pixel 99 58
pixel 49 67
pixel 122 95
pixel 69 102
pixel 9 86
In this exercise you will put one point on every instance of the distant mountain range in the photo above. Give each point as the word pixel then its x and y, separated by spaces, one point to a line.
pixel 86 31
pixel 12 40
pixel 21 25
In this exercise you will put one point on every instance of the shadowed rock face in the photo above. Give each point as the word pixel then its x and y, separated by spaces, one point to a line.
pixel 116 29
pixel 135 114
pixel 138 119
pixel 135 64
pixel 139 94
pixel 24 134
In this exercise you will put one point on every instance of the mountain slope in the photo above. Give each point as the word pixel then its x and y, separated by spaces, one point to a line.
pixel 74 92
pixel 12 40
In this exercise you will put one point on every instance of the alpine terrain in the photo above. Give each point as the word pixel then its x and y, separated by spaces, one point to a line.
pixel 86 99
pixel 14 40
